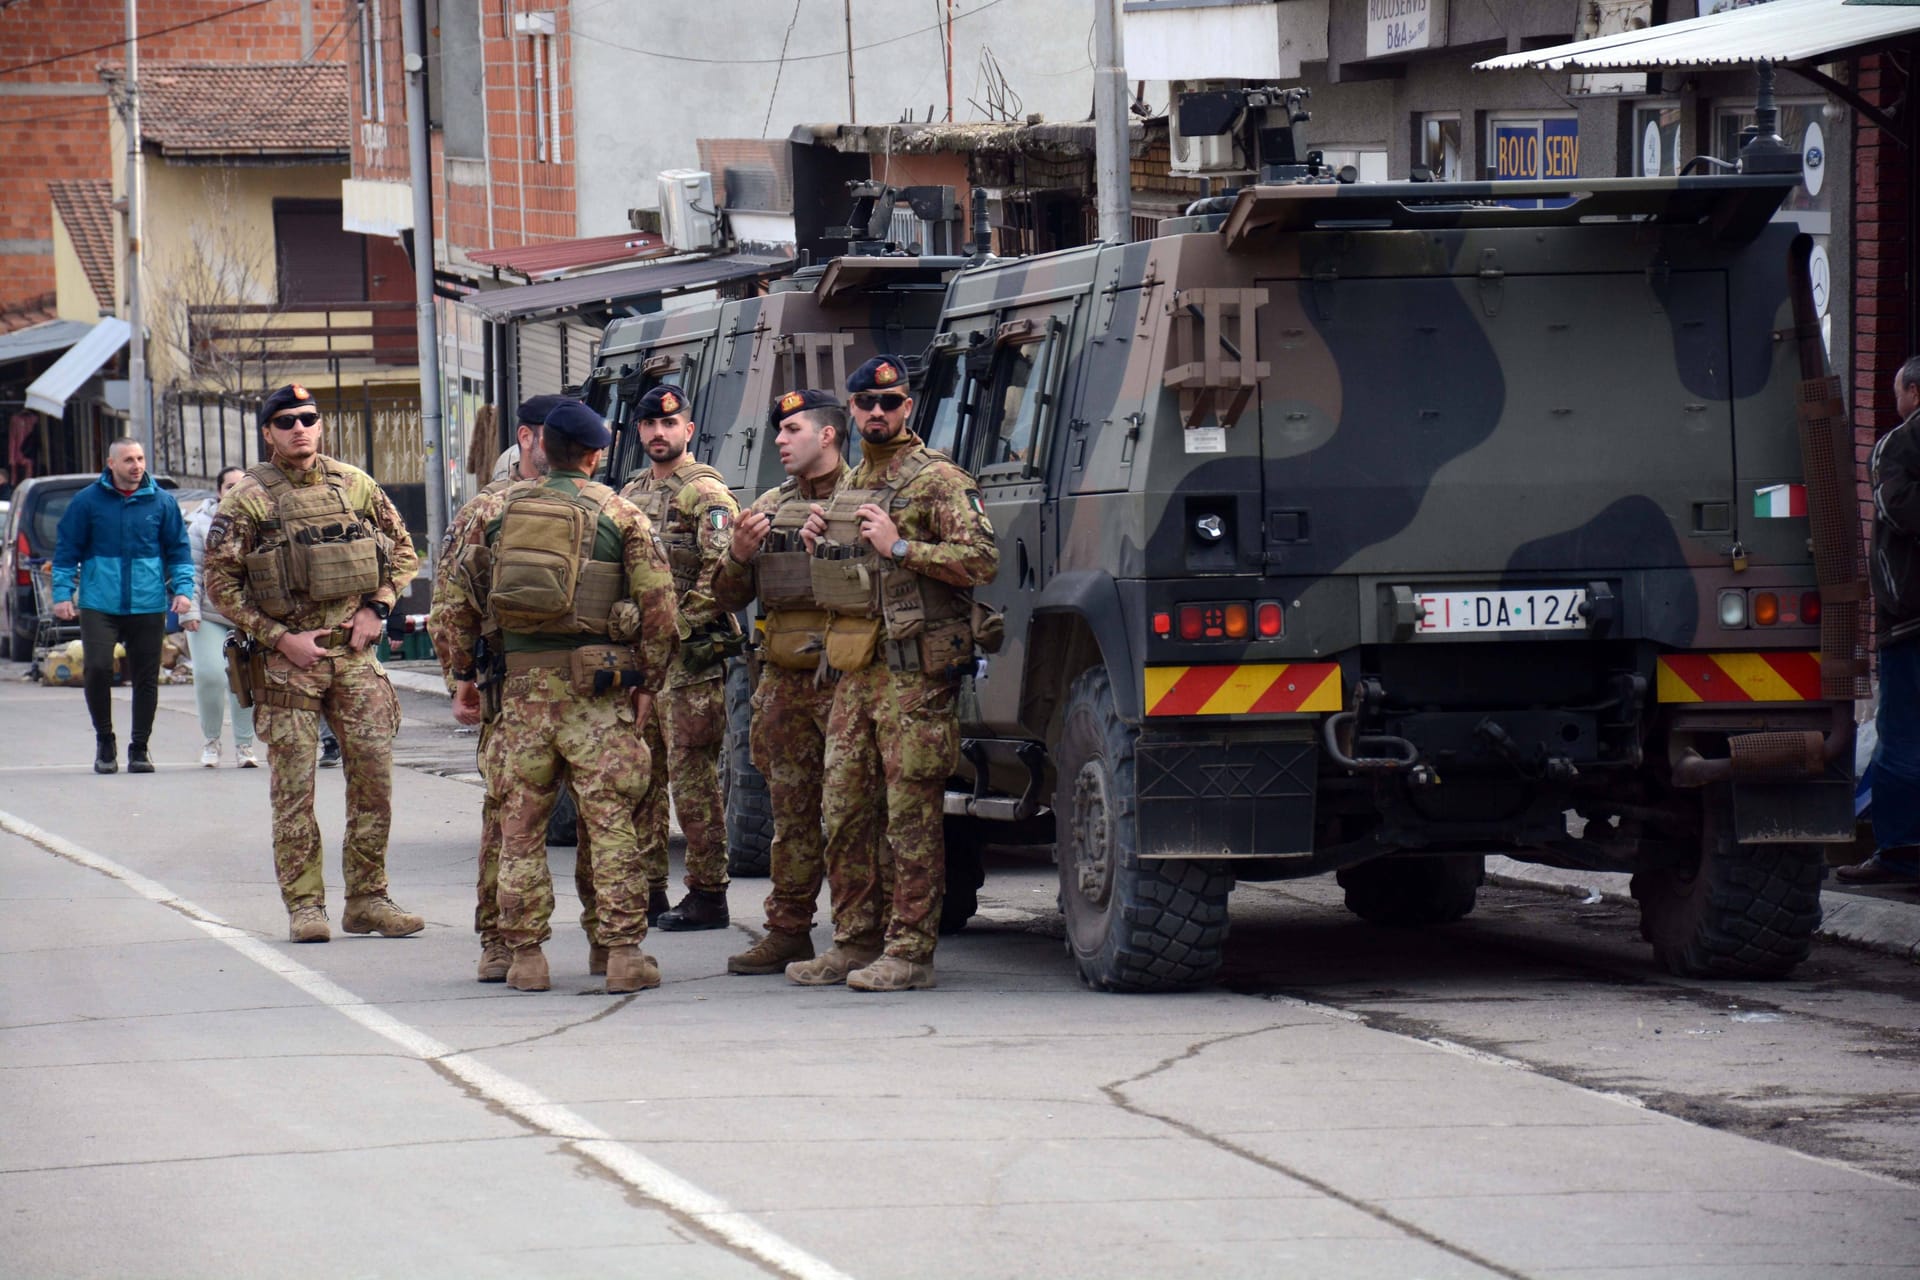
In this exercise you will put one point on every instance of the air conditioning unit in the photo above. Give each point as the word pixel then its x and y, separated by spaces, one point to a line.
pixel 688 218
pixel 1205 154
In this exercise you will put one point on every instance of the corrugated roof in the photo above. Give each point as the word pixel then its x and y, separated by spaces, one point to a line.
pixel 85 205
pixel 613 288
pixel 1784 31
pixel 243 108
pixel 50 391
pixel 558 256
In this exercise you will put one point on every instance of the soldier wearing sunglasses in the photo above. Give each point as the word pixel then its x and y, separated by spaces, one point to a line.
pixel 307 557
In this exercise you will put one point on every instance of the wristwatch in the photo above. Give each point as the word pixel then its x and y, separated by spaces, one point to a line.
pixel 898 551
pixel 380 608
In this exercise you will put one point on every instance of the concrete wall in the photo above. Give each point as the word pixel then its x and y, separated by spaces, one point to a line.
pixel 640 112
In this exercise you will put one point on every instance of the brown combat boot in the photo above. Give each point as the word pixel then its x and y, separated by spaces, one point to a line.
pixel 308 924
pixel 596 959
pixel 700 909
pixel 772 953
pixel 831 969
pixel 377 913
pixel 657 905
pixel 528 972
pixel 631 969
pixel 892 973
pixel 494 961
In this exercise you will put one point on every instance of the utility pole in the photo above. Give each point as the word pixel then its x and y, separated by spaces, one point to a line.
pixel 852 115
pixel 139 418
pixel 420 166
pixel 1112 174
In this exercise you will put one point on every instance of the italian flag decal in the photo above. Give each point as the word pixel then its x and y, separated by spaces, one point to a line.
pixel 1778 501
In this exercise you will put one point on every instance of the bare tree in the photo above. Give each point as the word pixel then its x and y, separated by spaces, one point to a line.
pixel 216 298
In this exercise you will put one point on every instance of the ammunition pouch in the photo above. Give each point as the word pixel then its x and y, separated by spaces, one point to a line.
pixel 795 638
pixel 712 645
pixel 843 577
pixel 989 627
pixel 269 585
pixel 943 649
pixel 336 566
pixel 852 642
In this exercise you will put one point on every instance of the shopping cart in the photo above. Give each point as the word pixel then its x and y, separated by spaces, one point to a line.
pixel 49 632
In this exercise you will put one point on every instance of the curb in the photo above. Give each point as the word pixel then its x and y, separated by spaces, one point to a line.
pixel 1873 924
pixel 418 682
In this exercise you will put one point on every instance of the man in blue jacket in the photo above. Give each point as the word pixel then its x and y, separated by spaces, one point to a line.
pixel 121 551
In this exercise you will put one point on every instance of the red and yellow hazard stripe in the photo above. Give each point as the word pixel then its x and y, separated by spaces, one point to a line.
pixel 1779 676
pixel 1245 688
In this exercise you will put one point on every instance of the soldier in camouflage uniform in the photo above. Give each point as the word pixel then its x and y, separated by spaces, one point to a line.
pixel 578 679
pixel 693 512
pixel 790 702
pixel 307 557
pixel 897 551
pixel 527 460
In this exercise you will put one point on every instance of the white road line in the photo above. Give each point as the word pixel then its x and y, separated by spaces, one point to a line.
pixel 623 1162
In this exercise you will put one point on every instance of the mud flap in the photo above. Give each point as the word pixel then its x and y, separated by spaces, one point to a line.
pixel 1217 797
pixel 1819 812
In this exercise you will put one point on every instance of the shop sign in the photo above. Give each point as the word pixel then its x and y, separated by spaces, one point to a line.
pixel 1405 26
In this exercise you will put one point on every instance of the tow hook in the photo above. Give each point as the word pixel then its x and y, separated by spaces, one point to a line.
pixel 1373 752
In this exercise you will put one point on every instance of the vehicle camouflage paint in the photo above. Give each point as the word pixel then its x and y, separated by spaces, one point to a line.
pixel 1372 529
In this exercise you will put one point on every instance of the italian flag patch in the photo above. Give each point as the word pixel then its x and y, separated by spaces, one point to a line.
pixel 1778 501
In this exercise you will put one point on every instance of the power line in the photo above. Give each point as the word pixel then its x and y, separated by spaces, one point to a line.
pixel 144 35
pixel 768 62
pixel 782 67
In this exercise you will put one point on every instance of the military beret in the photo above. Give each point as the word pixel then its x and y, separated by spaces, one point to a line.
pixel 800 401
pixel 663 401
pixel 579 424
pixel 287 397
pixel 882 373
pixel 534 410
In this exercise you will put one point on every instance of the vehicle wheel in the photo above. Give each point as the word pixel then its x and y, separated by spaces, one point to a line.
pixel 19 647
pixel 563 824
pixel 1413 891
pixel 965 873
pixel 1741 911
pixel 749 807
pixel 1132 925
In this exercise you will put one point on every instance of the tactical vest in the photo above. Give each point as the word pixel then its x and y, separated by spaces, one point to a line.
pixel 926 622
pixel 795 625
pixel 544 578
pixel 319 548
pixel 680 536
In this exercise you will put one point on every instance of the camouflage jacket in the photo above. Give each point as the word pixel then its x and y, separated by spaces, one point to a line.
pixel 939 513
pixel 476 513
pixel 247 523
pixel 696 525
pixel 460 615
pixel 733 586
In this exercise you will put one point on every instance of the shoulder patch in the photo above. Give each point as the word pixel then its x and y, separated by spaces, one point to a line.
pixel 978 507
pixel 718 517
pixel 217 531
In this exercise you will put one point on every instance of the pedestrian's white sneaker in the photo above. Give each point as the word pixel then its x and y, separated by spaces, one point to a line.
pixel 210 754
pixel 244 754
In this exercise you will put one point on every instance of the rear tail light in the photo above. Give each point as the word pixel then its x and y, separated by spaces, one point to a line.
pixel 1766 608
pixel 1163 624
pixel 1810 607
pixel 1222 620
pixel 1269 620
pixel 22 576
pixel 1238 621
pixel 1193 622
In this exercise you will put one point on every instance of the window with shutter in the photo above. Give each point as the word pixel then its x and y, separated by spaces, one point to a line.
pixel 318 260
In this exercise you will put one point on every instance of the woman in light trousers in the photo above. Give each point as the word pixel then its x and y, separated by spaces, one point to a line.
pixel 208 642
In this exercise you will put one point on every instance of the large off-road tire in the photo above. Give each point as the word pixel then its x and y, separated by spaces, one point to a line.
pixel 749 807
pixel 1740 911
pixel 1132 925
pixel 965 872
pixel 563 824
pixel 1413 891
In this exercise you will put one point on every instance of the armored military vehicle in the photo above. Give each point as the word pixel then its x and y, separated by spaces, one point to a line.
pixel 1371 529
pixel 735 359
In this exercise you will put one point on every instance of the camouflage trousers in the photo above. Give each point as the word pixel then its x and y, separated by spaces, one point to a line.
pixel 893 734
pixel 360 705
pixel 686 759
pixel 789 747
pixel 486 908
pixel 547 732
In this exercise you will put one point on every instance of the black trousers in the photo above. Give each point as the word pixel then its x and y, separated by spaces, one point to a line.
pixel 143 634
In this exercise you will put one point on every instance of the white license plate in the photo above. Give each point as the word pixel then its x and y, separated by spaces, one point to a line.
pixel 1491 612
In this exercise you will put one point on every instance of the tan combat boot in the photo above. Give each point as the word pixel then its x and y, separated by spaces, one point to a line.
pixel 631 969
pixel 495 959
pixel 772 953
pixel 831 969
pixel 308 924
pixel 528 972
pixel 596 959
pixel 377 913
pixel 892 973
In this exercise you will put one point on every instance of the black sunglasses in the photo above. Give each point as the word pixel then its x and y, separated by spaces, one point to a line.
pixel 889 401
pixel 288 421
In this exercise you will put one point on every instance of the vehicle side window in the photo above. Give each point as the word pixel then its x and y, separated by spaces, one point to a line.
pixel 945 392
pixel 1017 404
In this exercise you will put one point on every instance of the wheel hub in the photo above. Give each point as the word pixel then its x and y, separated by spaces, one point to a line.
pixel 1092 843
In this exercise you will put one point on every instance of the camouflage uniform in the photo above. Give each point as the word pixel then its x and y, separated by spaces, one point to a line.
pixel 694 513
pixel 351 688
pixel 548 727
pixel 788 740
pixel 893 730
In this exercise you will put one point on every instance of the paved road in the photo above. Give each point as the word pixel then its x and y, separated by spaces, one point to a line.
pixel 1521 1094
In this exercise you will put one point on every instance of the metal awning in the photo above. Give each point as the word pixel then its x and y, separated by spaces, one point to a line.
pixel 1779 31
pixel 51 390
pixel 557 257
pixel 37 340
pixel 610 289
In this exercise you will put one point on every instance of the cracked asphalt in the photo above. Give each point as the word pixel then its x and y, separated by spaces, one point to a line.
pixel 1521 1094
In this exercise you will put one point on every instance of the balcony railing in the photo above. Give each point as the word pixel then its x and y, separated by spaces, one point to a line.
pixel 329 336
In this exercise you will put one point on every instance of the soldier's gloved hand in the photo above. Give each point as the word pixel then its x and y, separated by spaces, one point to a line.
pixel 466 702
pixel 748 533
